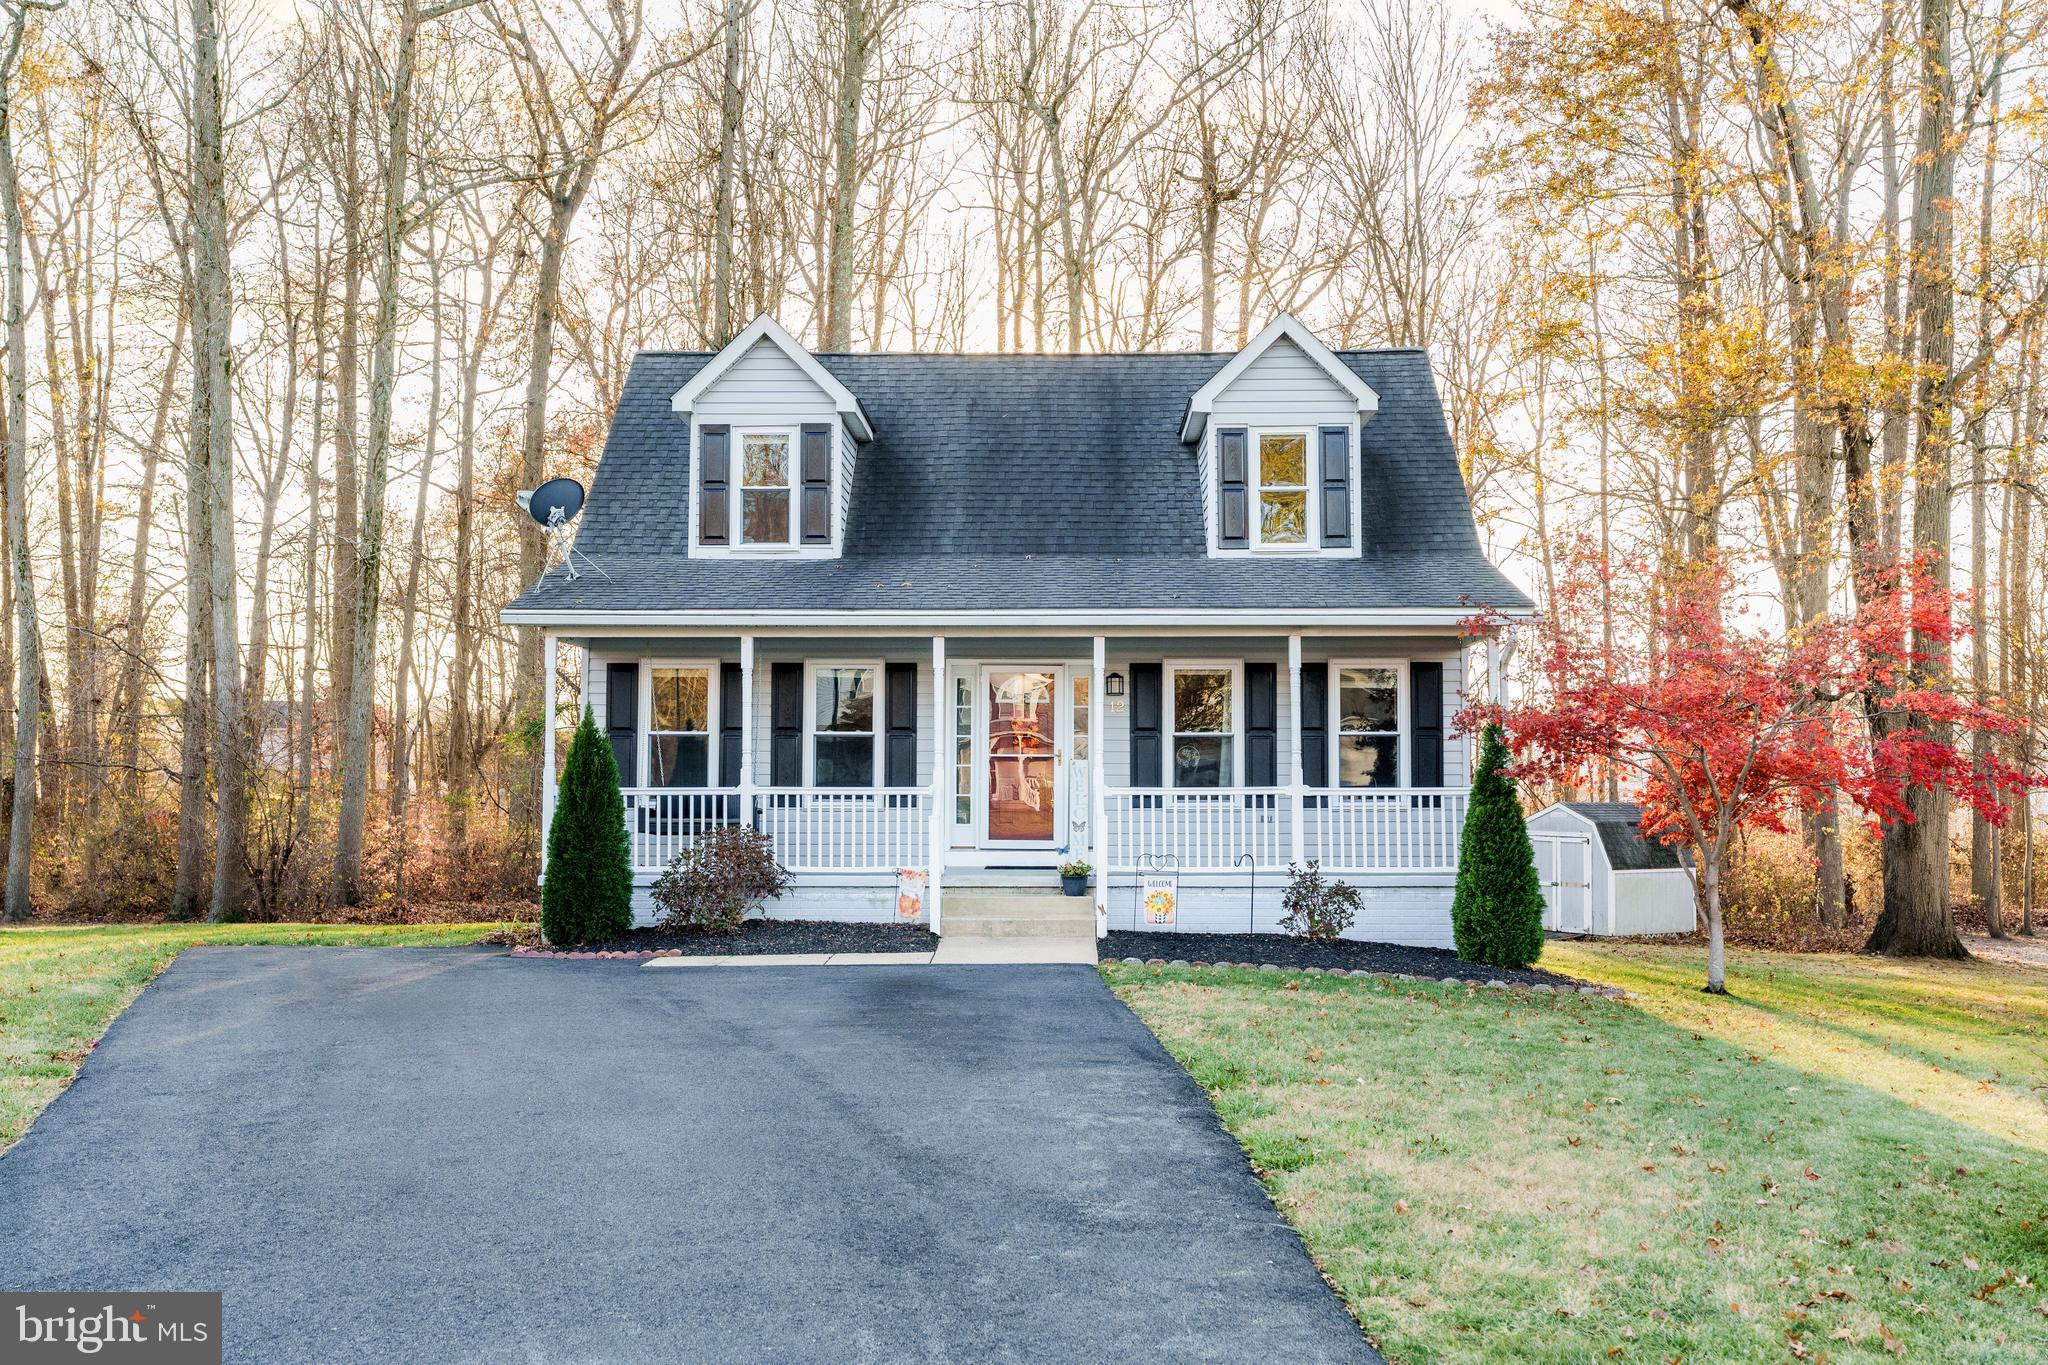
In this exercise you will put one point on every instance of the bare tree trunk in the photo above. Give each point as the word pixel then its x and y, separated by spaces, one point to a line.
pixel 393 228
pixel 1917 920
pixel 133 692
pixel 213 436
pixel 28 642
pixel 853 62
pixel 401 718
pixel 731 103
pixel 1984 879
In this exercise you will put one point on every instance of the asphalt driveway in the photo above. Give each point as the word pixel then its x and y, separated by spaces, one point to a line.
pixel 450 1155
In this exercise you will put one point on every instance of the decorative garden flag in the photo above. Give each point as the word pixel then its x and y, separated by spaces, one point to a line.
pixel 909 893
pixel 1162 894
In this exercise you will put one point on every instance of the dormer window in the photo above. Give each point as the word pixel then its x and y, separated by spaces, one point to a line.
pixel 764 488
pixel 1282 477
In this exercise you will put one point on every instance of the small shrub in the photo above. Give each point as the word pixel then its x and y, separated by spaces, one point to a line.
pixel 1497 909
pixel 588 890
pixel 717 882
pixel 1317 909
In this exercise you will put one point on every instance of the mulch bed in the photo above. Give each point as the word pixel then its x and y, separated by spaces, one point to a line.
pixel 1256 950
pixel 759 936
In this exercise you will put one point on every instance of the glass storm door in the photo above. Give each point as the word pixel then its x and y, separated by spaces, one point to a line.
pixel 1022 738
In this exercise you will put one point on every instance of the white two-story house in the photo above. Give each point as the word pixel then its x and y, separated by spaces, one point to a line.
pixel 980 615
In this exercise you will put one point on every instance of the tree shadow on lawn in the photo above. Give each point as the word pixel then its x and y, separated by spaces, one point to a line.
pixel 1507 1178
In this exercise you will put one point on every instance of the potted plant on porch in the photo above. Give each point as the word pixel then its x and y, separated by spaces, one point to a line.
pixel 1074 877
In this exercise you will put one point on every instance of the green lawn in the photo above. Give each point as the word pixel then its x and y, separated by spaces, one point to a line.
pixel 1848 1161
pixel 61 986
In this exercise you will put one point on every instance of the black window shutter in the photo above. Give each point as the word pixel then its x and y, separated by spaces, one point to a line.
pixel 1146 706
pixel 1336 462
pixel 622 718
pixel 1233 526
pixel 1426 723
pixel 817 485
pixel 1315 725
pixel 786 725
pixel 1261 724
pixel 899 758
pixel 714 516
pixel 729 701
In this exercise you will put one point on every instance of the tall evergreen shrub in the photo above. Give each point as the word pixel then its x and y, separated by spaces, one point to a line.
pixel 587 892
pixel 1497 912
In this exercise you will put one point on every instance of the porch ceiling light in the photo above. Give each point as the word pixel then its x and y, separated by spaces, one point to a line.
pixel 1113 685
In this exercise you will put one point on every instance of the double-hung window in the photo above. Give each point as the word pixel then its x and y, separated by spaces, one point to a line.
pixel 843 716
pixel 679 702
pixel 1282 479
pixel 1367 734
pixel 765 497
pixel 1204 699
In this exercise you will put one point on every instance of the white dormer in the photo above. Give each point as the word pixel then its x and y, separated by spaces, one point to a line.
pixel 1278 435
pixel 772 442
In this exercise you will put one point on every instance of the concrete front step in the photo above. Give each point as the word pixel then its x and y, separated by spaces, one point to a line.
pixel 1017 926
pixel 1018 903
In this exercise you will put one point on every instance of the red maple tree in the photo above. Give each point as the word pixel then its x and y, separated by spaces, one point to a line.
pixel 1729 725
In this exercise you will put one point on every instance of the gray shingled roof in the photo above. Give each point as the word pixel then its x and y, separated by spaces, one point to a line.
pixel 1620 825
pixel 1029 482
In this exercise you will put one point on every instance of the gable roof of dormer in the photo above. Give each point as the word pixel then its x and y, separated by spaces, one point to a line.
pixel 765 328
pixel 1284 327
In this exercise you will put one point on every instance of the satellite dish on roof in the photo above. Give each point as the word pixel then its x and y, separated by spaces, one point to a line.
pixel 554 502
pixel 554 505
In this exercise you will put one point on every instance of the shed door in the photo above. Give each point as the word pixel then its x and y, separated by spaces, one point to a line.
pixel 1564 864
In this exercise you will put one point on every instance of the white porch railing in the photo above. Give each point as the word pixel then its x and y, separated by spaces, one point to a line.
pixel 1395 829
pixel 847 831
pixel 1406 829
pixel 663 821
pixel 1196 831
pixel 814 829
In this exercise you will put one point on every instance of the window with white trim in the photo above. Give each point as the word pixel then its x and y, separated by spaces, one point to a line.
pixel 844 739
pixel 678 725
pixel 1202 701
pixel 767 462
pixel 1367 737
pixel 1281 478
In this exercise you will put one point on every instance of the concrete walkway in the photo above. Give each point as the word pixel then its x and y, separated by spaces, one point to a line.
pixel 954 951
pixel 418 1154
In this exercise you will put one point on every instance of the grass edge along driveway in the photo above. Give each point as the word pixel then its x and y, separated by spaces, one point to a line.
pixel 1843 1164
pixel 62 985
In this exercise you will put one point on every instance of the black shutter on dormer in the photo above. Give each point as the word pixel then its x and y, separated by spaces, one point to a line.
pixel 1261 724
pixel 899 756
pixel 1426 723
pixel 1233 499
pixel 786 724
pixel 1336 480
pixel 1147 704
pixel 817 485
pixel 714 508
pixel 622 717
pixel 1315 725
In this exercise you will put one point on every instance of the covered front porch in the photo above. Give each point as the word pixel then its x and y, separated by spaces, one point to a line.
pixel 991 757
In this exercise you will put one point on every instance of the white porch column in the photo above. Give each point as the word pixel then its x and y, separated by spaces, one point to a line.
pixel 1098 831
pixel 547 745
pixel 1297 826
pixel 941 787
pixel 746 729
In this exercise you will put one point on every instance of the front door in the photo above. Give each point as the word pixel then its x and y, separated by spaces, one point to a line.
pixel 1021 794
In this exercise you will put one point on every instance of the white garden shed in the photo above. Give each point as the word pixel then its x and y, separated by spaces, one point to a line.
pixel 1601 876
